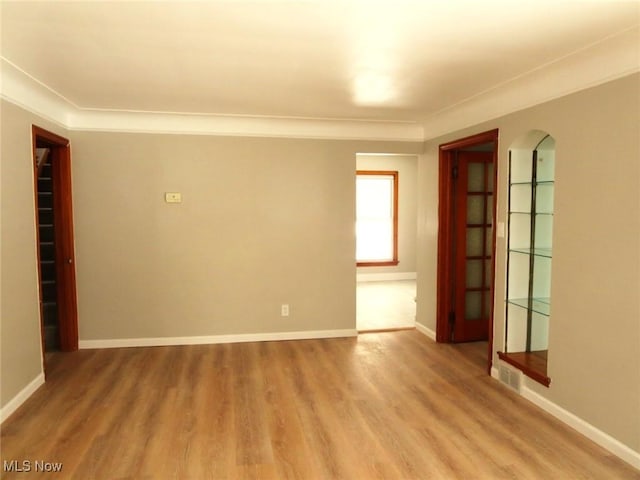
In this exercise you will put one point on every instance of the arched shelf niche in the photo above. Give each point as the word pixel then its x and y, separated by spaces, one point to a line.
pixel 529 254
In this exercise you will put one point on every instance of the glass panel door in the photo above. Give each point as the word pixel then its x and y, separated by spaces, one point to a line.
pixel 474 242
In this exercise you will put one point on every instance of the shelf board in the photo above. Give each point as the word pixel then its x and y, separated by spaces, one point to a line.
pixel 540 252
pixel 538 305
pixel 532 364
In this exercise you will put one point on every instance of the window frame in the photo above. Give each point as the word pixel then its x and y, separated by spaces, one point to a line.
pixel 394 260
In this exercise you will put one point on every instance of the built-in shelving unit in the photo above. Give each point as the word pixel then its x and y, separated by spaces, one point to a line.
pixel 529 256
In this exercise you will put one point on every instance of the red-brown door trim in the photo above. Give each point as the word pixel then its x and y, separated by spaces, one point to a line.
pixel 444 242
pixel 447 153
pixel 64 239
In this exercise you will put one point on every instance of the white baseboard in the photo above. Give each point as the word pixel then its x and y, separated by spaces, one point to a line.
pixel 21 397
pixel 213 339
pixel 495 373
pixel 427 331
pixel 385 277
pixel 598 436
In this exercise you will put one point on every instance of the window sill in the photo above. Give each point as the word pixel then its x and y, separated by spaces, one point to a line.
pixel 532 364
pixel 387 263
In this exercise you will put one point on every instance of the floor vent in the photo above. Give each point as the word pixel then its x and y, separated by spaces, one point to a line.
pixel 510 377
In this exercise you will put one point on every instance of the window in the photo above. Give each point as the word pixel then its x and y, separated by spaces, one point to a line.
pixel 376 218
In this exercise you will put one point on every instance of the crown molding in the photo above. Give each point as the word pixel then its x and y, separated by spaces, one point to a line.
pixel 246 126
pixel 609 59
pixel 18 87
pixel 23 90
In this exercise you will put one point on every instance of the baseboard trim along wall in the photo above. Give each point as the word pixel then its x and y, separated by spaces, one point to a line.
pixel 385 277
pixel 214 339
pixel 426 331
pixel 598 436
pixel 592 433
pixel 21 397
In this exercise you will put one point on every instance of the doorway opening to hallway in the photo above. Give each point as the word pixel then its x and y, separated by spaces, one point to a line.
pixel 386 241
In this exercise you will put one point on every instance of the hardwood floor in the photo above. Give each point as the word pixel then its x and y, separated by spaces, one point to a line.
pixel 389 405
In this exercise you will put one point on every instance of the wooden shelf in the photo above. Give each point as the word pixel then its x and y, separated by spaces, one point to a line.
pixel 532 364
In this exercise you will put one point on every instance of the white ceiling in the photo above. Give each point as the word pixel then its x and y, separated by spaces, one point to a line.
pixel 404 61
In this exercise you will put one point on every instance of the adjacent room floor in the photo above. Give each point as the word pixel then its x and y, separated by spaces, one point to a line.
pixel 385 305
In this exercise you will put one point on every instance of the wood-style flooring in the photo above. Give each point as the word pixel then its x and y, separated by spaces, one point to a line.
pixel 388 405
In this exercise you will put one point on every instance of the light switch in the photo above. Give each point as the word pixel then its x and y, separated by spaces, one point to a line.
pixel 173 197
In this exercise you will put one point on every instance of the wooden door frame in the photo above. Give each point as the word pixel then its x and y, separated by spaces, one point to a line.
pixel 60 158
pixel 446 158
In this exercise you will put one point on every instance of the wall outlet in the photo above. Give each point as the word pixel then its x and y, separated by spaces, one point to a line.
pixel 284 310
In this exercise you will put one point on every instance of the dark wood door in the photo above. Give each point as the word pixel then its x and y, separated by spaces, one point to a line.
pixel 467 174
pixel 472 239
pixel 59 222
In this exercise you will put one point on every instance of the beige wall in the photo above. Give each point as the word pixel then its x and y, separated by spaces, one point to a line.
pixel 407 167
pixel 263 222
pixel 594 338
pixel 20 357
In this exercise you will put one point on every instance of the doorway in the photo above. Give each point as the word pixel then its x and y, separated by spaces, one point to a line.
pixel 386 205
pixel 54 230
pixel 466 240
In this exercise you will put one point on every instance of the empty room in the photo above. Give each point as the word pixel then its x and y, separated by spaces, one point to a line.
pixel 320 239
